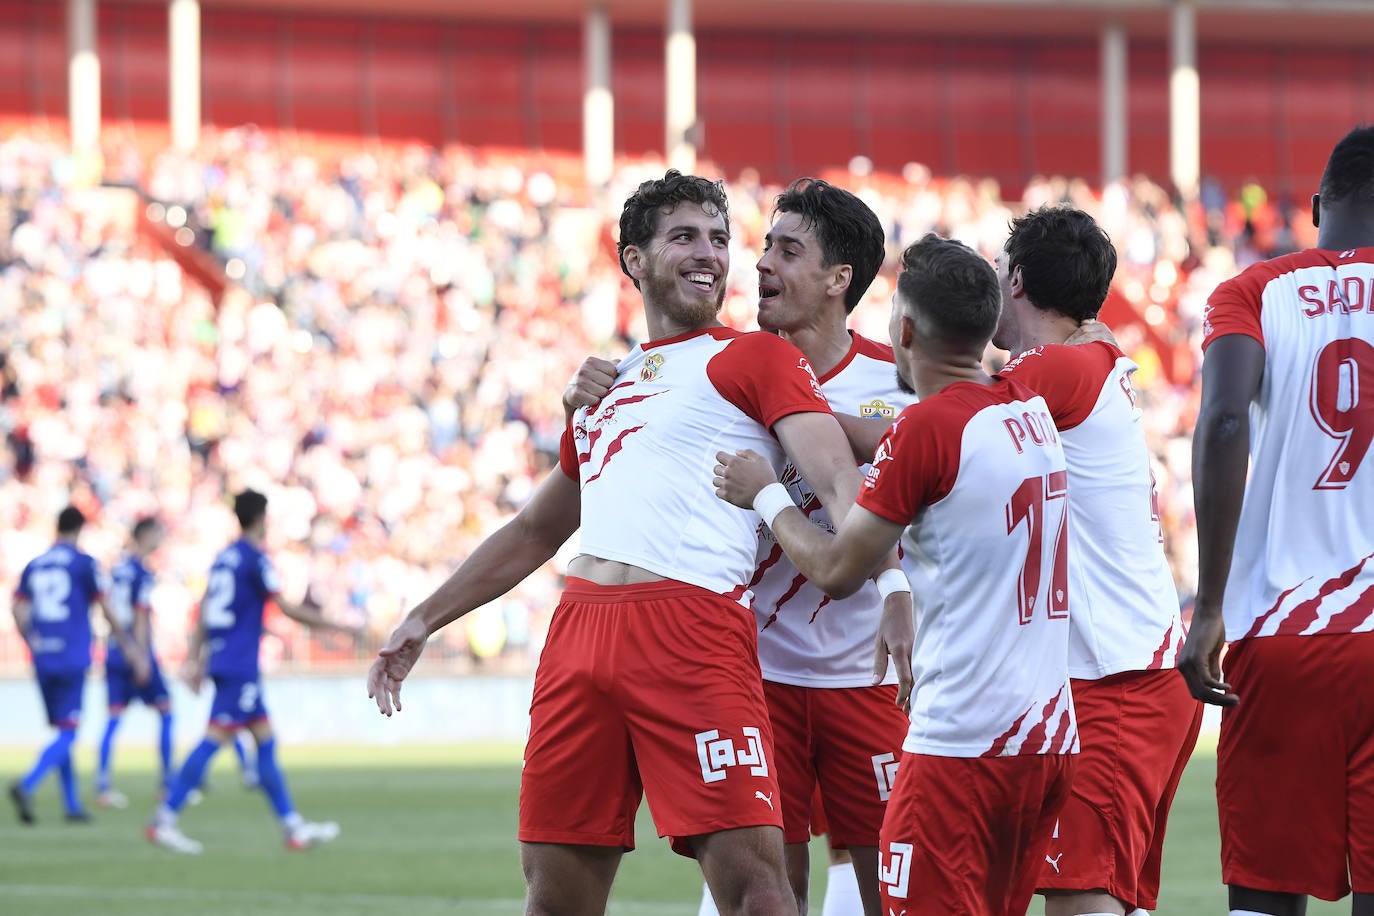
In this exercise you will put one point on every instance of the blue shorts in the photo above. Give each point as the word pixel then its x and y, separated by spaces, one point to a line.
pixel 62 697
pixel 238 702
pixel 121 689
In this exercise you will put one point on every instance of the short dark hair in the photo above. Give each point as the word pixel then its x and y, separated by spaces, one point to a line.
pixel 1350 169
pixel 953 290
pixel 847 228
pixel 70 520
pixel 1066 260
pixel 145 526
pixel 652 199
pixel 249 506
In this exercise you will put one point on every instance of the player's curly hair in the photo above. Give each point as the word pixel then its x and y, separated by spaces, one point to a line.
pixel 657 197
pixel 950 290
pixel 848 230
pixel 1066 260
pixel 1349 171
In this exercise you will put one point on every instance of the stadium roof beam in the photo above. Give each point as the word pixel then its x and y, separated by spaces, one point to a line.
pixel 598 102
pixel 183 74
pixel 1185 101
pixel 680 84
pixel 1114 82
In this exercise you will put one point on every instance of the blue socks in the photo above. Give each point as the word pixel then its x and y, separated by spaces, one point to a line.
pixel 102 775
pixel 70 800
pixel 164 747
pixel 273 783
pixel 55 754
pixel 192 772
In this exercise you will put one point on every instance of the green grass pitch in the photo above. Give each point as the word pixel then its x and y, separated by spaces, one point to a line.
pixel 426 830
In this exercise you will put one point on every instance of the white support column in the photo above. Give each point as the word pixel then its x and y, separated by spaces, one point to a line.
pixel 83 75
pixel 598 102
pixel 1185 105
pixel 183 73
pixel 1114 101
pixel 681 83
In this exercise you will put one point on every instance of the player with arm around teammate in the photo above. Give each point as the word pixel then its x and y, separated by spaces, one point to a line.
pixel 1286 560
pixel 975 468
pixel 650 673
pixel 52 611
pixel 1136 720
pixel 225 645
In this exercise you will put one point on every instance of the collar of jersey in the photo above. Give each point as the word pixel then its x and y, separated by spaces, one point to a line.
pixel 716 331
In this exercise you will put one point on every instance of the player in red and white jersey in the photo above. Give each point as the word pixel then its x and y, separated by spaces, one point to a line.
pixel 1136 720
pixel 649 680
pixel 1286 560
pixel 834 728
pixel 977 471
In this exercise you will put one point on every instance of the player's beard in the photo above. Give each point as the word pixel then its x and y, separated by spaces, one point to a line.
pixel 694 312
pixel 903 384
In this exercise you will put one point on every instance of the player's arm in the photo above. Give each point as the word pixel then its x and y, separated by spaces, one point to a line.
pixel 863 434
pixel 138 659
pixel 499 563
pixel 1231 374
pixel 306 611
pixel 193 670
pixel 22 609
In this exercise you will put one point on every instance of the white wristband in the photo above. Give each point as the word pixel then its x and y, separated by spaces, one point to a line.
pixel 771 500
pixel 890 581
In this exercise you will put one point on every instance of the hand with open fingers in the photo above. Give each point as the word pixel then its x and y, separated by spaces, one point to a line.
pixel 741 475
pixel 896 637
pixel 589 384
pixel 1090 330
pixel 394 662
pixel 1200 661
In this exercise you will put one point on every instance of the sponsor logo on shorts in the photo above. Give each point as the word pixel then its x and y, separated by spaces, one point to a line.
pixel 885 770
pixel 1054 863
pixel 766 799
pixel 894 868
pixel 717 755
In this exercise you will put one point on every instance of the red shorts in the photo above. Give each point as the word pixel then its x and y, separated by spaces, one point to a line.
pixel 1295 766
pixel 966 836
pixel 843 741
pixel 1137 730
pixel 647 689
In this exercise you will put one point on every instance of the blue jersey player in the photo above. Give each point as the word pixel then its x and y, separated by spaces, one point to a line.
pixel 52 609
pixel 130 599
pixel 241 583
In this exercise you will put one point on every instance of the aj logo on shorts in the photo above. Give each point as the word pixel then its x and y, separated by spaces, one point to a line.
pixel 885 771
pixel 717 754
pixel 894 868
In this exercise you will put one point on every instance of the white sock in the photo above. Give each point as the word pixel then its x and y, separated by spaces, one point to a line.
pixel 292 821
pixel 708 903
pixel 1138 913
pixel 842 892
pixel 1249 913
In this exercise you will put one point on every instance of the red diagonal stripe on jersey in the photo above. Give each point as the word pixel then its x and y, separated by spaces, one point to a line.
pixel 1036 737
pixel 797 582
pixel 1059 743
pixel 817 611
pixel 612 450
pixel 1357 613
pixel 768 563
pixel 1303 614
pixel 1000 744
pixel 737 592
pixel 1157 661
pixel 1264 618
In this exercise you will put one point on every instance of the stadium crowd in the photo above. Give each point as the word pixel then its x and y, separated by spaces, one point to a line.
pixel 388 365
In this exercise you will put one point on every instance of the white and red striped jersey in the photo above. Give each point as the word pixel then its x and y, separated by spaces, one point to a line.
pixel 643 456
pixel 1304 556
pixel 805 637
pixel 979 473
pixel 1125 605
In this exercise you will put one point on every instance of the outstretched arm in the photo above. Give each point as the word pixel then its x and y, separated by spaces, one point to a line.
pixel 1231 375
pixel 498 564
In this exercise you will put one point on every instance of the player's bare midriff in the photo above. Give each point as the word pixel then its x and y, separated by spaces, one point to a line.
pixel 609 572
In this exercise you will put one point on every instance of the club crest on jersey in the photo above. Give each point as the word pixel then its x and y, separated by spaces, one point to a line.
pixel 877 408
pixel 652 363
